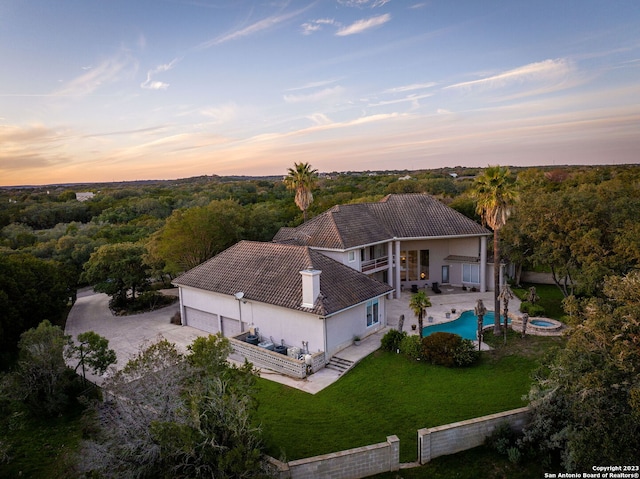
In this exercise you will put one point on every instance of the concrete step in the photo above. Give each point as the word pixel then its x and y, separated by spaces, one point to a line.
pixel 339 364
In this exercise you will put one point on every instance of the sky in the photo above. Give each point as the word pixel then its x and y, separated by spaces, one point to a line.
pixel 117 90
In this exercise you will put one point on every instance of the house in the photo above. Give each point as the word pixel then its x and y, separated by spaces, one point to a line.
pixel 404 240
pixel 290 294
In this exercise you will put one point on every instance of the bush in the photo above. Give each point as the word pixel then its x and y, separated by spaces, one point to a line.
pixel 411 346
pixel 532 309
pixel 448 349
pixel 502 439
pixel 466 354
pixel 438 348
pixel 391 341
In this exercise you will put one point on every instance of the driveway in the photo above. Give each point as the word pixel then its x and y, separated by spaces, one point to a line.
pixel 126 334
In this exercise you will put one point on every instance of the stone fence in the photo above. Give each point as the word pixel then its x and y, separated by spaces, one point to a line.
pixel 350 464
pixel 385 457
pixel 280 363
pixel 460 436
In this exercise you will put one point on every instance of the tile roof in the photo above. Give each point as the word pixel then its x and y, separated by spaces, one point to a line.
pixel 395 216
pixel 270 273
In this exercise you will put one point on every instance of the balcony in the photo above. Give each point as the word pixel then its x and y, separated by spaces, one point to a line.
pixel 374 264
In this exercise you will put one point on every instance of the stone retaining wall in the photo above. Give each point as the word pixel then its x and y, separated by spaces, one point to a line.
pixel 280 363
pixel 350 464
pixel 460 436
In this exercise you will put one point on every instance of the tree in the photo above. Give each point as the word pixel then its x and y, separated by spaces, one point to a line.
pixel 31 290
pixel 586 401
pixel 41 379
pixel 174 415
pixel 302 179
pixel 419 303
pixel 92 351
pixel 495 194
pixel 192 236
pixel 116 269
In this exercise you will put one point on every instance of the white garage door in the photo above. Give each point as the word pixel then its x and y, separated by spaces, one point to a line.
pixel 230 327
pixel 201 320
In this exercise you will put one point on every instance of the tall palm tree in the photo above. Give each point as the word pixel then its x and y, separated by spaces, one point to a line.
pixel 302 178
pixel 419 304
pixel 495 193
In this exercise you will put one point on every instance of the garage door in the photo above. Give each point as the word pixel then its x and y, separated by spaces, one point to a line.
pixel 230 327
pixel 201 320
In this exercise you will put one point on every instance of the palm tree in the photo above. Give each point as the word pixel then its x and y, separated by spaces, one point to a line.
pixel 495 194
pixel 302 179
pixel 419 304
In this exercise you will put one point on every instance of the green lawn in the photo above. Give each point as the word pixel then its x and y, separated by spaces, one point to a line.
pixel 389 394
pixel 550 298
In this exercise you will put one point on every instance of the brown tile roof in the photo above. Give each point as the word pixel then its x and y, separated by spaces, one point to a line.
pixel 270 273
pixel 395 216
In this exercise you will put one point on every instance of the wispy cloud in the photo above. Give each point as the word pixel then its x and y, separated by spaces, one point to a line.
pixel 256 27
pixel 221 114
pixel 363 25
pixel 315 96
pixel 363 3
pixel 316 84
pixel 150 84
pixel 547 70
pixel 108 71
pixel 412 87
pixel 315 25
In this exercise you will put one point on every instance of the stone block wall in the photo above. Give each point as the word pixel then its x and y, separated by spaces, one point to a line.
pixel 460 436
pixel 350 464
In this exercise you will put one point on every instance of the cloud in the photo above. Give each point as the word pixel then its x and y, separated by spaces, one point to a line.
pixel 221 114
pixel 256 27
pixel 547 70
pixel 363 3
pixel 316 25
pixel 412 87
pixel 149 84
pixel 316 96
pixel 313 85
pixel 363 25
pixel 108 71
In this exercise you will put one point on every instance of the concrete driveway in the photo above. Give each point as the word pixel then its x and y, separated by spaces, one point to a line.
pixel 126 334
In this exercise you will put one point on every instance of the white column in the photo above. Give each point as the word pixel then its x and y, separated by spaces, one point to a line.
pixel 390 277
pixel 397 272
pixel 483 264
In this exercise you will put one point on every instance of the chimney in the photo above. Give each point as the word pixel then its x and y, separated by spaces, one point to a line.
pixel 310 287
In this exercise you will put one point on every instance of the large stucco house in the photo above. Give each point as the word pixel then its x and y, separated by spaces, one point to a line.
pixel 328 280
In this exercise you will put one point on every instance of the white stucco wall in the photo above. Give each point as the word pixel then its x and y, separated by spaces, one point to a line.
pixel 292 326
pixel 353 322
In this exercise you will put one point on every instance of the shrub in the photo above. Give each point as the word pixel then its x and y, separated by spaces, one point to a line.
pixel 391 340
pixel 532 309
pixel 502 439
pixel 465 354
pixel 439 348
pixel 411 346
pixel 448 349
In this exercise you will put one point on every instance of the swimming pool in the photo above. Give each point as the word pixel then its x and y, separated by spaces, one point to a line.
pixel 466 325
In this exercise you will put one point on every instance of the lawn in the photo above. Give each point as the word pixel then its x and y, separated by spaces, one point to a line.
pixel 550 298
pixel 388 394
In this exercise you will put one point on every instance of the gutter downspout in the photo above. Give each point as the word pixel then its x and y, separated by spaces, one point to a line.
pixel 483 264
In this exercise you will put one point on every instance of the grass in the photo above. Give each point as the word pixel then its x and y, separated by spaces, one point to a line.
pixel 388 394
pixel 478 462
pixel 41 448
pixel 550 298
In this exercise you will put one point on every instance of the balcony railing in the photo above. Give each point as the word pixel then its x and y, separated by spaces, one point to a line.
pixel 374 264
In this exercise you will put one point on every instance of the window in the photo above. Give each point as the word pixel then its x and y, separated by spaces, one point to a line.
pixel 471 273
pixel 372 312
pixel 352 256
pixel 414 264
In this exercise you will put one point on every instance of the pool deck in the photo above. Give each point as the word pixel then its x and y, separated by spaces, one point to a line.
pixel 440 305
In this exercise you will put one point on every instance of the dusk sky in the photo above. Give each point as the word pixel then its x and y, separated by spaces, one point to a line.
pixel 97 90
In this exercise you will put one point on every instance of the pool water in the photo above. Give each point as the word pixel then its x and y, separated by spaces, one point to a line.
pixel 466 325
pixel 543 323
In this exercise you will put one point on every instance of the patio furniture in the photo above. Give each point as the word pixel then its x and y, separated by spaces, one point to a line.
pixel 414 288
pixel 435 288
